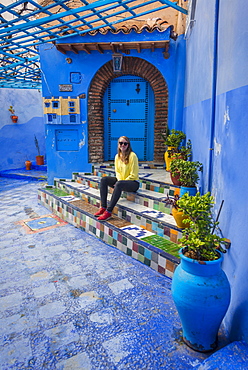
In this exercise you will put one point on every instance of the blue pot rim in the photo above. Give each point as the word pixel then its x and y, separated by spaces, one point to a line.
pixel 188 187
pixel 219 260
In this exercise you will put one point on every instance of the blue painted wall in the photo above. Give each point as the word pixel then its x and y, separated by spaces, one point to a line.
pixel 17 139
pixel 224 112
pixel 59 72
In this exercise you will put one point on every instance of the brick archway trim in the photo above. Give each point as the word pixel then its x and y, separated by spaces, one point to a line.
pixel 131 66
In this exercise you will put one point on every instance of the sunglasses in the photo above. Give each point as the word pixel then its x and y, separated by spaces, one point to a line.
pixel 122 143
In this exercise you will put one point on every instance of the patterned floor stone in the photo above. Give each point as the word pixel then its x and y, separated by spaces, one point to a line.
pixel 69 301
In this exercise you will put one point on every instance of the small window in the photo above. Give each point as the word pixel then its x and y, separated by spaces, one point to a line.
pixel 54 116
pixel 47 105
pixel 71 104
pixel 49 117
pixel 55 104
pixel 71 110
pixel 72 118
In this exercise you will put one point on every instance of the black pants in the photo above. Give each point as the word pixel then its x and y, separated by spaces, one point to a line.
pixel 119 186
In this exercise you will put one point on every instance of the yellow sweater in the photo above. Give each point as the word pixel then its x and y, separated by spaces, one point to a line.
pixel 128 171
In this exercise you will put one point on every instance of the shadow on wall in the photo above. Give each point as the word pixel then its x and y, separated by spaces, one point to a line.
pixel 17 143
pixel 239 322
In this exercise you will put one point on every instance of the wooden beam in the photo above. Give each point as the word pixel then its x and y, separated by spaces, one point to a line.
pixel 98 48
pixel 72 48
pixel 84 47
pixel 59 48
pixel 121 47
pixel 152 46
pixel 113 47
pixel 138 47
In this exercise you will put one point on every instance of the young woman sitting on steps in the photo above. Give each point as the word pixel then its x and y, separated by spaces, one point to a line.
pixel 127 176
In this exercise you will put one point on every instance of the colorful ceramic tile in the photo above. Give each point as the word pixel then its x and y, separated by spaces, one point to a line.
pixel 136 231
pixel 40 224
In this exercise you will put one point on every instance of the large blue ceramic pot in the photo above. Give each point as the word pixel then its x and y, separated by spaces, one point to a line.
pixel 201 293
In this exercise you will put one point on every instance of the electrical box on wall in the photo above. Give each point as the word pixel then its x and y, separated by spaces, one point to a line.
pixel 61 110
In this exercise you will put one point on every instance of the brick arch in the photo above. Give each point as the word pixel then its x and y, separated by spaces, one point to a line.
pixel 131 66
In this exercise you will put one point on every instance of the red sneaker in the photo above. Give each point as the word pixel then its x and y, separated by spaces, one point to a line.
pixel 100 212
pixel 106 216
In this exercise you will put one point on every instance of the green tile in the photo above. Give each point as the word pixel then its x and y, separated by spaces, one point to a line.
pixel 147 261
pixel 141 258
pixel 129 252
pixel 58 192
pixel 162 243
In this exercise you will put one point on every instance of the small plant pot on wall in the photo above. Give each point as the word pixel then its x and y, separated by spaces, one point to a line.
pixel 201 293
pixel 28 165
pixel 39 160
pixel 14 119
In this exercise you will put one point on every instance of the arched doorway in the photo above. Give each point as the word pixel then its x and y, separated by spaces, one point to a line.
pixel 129 110
pixel 131 66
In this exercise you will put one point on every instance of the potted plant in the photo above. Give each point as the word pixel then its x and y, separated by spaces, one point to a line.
pixel 184 153
pixel 180 218
pixel 13 116
pixel 28 165
pixel 39 157
pixel 172 141
pixel 200 288
pixel 187 173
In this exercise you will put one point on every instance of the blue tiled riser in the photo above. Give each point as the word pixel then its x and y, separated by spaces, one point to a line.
pixel 151 256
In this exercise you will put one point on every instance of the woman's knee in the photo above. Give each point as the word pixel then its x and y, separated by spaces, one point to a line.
pixel 103 180
pixel 119 185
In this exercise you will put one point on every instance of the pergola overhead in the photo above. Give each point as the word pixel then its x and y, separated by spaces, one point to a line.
pixel 27 24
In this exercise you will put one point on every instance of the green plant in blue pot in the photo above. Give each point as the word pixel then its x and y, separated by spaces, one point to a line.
pixel 187 173
pixel 200 288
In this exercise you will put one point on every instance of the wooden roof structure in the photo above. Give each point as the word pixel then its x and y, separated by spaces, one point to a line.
pixel 26 24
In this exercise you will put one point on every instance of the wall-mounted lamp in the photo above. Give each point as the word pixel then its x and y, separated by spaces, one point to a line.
pixel 69 60
pixel 117 62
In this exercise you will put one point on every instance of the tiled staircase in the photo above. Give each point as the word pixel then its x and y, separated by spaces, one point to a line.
pixel 141 226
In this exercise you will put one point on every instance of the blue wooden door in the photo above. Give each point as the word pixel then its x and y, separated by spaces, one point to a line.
pixel 129 111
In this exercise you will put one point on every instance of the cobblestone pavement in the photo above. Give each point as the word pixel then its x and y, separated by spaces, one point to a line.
pixel 70 301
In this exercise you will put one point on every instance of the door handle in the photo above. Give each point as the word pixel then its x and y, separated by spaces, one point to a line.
pixel 114 110
pixel 128 102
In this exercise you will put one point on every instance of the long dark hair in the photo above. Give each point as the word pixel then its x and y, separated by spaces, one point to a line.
pixel 124 156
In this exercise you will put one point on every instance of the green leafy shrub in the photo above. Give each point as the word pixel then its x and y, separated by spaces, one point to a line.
pixel 199 238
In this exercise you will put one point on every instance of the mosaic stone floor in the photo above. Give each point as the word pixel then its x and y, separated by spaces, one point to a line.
pixel 70 301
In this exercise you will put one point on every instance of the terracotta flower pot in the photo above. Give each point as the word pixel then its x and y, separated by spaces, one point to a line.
pixel 14 119
pixel 39 160
pixel 175 179
pixel 28 165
